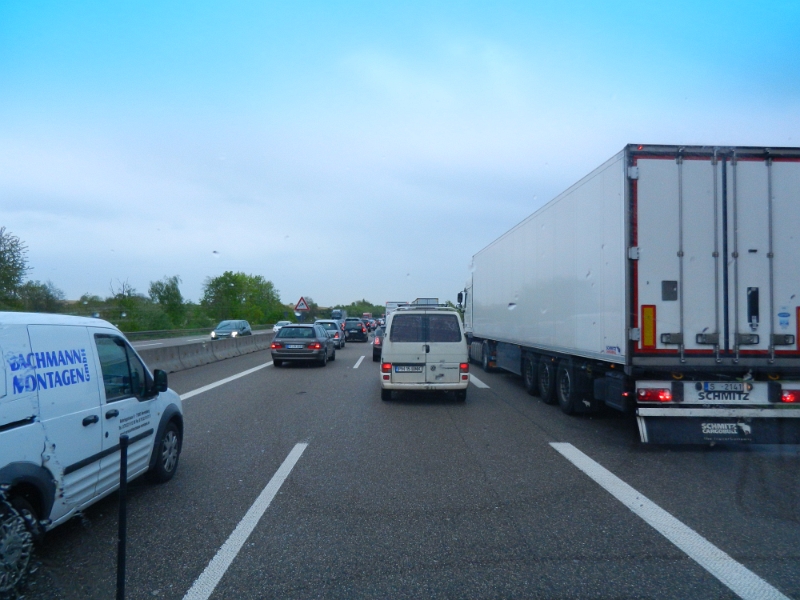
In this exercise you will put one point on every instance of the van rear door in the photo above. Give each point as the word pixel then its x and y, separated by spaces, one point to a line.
pixel 446 348
pixel 407 348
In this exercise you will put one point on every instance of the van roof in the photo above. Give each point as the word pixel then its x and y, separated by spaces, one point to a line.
pixel 24 318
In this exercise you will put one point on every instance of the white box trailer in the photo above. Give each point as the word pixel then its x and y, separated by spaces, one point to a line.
pixel 665 282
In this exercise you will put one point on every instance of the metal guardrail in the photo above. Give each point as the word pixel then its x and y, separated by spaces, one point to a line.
pixel 160 334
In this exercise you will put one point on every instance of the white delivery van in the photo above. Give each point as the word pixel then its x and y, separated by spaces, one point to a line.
pixel 69 388
pixel 424 349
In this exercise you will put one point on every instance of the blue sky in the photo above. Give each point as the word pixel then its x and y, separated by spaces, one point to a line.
pixel 349 150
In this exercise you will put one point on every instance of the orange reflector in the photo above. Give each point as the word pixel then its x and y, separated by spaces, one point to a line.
pixel 649 326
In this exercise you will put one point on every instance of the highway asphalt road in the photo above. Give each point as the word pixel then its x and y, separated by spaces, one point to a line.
pixel 422 497
pixel 179 341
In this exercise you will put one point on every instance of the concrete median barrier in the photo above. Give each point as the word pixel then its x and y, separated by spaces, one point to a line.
pixel 195 355
pixel 166 358
pixel 225 349
pixel 246 344
pixel 264 340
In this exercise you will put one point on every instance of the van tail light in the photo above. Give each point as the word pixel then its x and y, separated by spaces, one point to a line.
pixel 386 367
pixel 790 396
pixel 464 367
pixel 276 345
pixel 377 341
pixel 654 395
pixel 315 346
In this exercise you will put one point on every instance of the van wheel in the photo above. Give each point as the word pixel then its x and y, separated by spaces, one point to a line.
pixel 529 375
pixel 546 379
pixel 485 357
pixel 461 396
pixel 565 389
pixel 16 543
pixel 168 451
pixel 386 395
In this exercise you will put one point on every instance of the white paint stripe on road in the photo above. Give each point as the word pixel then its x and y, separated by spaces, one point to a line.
pixel 736 576
pixel 204 585
pixel 358 362
pixel 202 339
pixel 135 345
pixel 211 386
pixel 477 382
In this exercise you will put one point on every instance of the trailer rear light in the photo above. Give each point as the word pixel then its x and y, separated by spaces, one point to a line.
pixel 386 367
pixel 790 396
pixel 315 346
pixel 463 367
pixel 654 395
pixel 276 345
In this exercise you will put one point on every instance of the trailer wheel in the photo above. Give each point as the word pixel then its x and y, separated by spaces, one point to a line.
pixel 529 375
pixel 485 357
pixel 566 389
pixel 547 380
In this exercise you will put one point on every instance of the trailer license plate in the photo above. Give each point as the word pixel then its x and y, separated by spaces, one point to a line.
pixel 294 346
pixel 724 386
pixel 408 369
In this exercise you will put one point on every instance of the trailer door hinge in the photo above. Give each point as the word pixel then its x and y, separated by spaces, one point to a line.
pixel 633 252
pixel 634 335
pixel 633 172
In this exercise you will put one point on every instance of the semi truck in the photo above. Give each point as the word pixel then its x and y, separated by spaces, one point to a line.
pixel 665 283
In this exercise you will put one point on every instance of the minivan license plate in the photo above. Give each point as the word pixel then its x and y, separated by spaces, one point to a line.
pixel 408 369
pixel 723 386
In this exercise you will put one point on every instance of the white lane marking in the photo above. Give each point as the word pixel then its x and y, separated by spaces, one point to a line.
pixel 477 382
pixel 202 339
pixel 211 386
pixel 143 345
pixel 204 585
pixel 741 580
pixel 358 362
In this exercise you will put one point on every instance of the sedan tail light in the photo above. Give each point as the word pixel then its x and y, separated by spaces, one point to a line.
pixel 276 345
pixel 315 346
pixel 363 330
pixel 336 336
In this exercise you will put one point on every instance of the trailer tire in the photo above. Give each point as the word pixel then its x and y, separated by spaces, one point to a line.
pixel 485 357
pixel 546 381
pixel 565 387
pixel 529 375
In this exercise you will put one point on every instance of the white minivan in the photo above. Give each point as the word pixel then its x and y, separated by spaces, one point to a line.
pixel 424 349
pixel 69 388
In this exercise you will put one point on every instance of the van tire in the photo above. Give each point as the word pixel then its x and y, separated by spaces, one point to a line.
pixel 529 375
pixel 565 387
pixel 168 451
pixel 17 539
pixel 546 379
pixel 386 395
pixel 461 396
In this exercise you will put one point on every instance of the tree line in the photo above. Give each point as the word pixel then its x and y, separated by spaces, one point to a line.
pixel 227 296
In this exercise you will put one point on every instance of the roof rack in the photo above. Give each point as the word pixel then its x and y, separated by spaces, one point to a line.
pixel 426 307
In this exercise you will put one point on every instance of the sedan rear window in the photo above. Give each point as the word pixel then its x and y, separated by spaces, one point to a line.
pixel 296 332
pixel 331 326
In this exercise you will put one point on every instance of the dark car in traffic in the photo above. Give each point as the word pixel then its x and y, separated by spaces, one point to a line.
pixel 377 344
pixel 231 329
pixel 355 331
pixel 302 343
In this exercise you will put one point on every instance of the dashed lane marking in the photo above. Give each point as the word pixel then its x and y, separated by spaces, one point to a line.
pixel 477 382
pixel 211 386
pixel 204 585
pixel 358 362
pixel 741 580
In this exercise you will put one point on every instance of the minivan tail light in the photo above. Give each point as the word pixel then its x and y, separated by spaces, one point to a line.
pixel 654 395
pixel 386 367
pixel 464 367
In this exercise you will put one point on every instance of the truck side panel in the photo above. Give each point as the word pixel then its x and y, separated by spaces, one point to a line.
pixel 556 281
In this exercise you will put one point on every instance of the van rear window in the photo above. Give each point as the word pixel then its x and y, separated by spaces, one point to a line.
pixel 425 328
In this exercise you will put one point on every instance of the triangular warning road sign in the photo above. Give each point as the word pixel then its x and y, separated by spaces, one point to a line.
pixel 302 305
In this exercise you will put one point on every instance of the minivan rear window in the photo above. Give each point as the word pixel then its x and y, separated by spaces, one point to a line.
pixel 425 328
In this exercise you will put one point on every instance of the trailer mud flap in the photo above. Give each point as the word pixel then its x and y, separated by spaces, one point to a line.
pixel 705 430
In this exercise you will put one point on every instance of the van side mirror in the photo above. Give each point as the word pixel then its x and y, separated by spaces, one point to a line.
pixel 160 380
pixel 460 297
